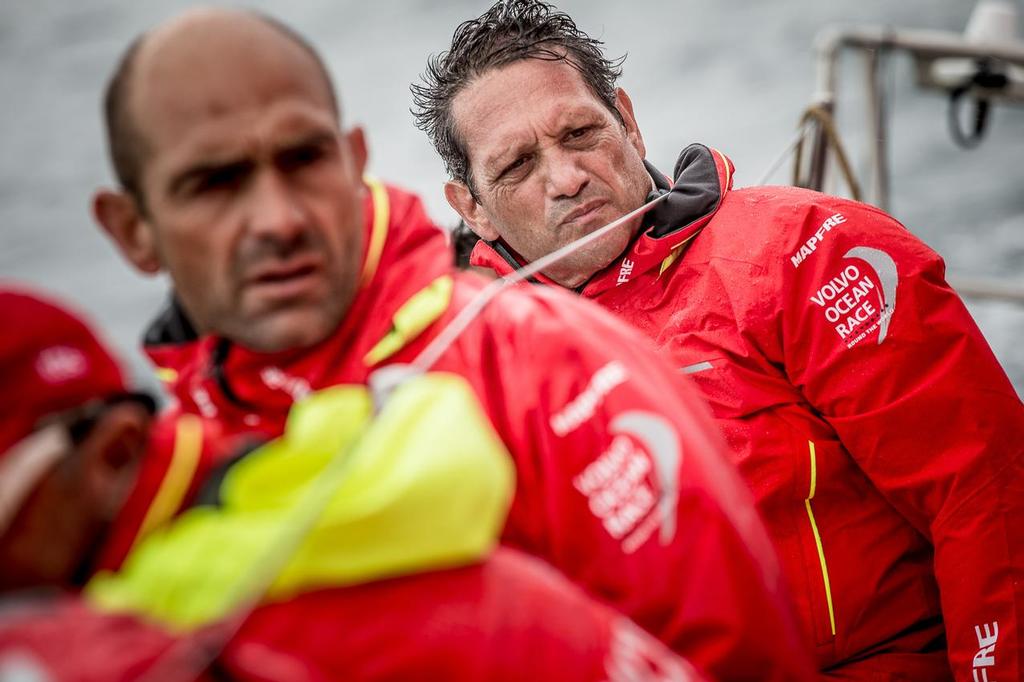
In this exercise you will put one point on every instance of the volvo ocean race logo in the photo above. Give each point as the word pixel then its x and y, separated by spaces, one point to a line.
pixel 660 440
pixel 859 300
pixel 618 484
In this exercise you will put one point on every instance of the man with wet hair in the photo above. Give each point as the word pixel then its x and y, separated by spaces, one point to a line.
pixel 298 281
pixel 882 440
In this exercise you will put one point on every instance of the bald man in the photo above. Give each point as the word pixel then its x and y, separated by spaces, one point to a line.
pixel 182 160
pixel 293 276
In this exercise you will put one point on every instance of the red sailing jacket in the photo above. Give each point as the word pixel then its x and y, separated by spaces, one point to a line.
pixel 510 618
pixel 882 440
pixel 620 478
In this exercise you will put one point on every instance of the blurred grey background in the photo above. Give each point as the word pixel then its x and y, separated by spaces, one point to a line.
pixel 735 74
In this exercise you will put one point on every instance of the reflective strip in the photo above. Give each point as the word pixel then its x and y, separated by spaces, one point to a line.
pixel 166 374
pixel 673 256
pixel 188 444
pixel 728 171
pixel 698 367
pixel 379 231
pixel 817 539
pixel 415 315
pixel 669 260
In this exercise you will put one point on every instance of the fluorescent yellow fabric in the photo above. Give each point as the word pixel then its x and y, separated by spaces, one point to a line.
pixel 378 230
pixel 188 446
pixel 427 485
pixel 415 315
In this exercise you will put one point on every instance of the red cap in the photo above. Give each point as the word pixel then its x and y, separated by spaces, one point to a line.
pixel 50 362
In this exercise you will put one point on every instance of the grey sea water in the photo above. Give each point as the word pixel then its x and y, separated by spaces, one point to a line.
pixel 735 74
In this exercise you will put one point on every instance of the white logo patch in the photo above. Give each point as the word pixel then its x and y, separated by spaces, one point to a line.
pixel 58 364
pixel 625 271
pixel 275 379
pixel 811 244
pixel 986 656
pixel 203 402
pixel 583 406
pixel 855 303
pixel 616 483
pixel 660 440
pixel 885 269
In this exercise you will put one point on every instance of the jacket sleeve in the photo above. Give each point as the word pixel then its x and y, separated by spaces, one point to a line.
pixel 884 349
pixel 622 485
pixel 507 619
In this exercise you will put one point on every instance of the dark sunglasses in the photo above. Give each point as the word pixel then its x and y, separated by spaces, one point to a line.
pixel 79 421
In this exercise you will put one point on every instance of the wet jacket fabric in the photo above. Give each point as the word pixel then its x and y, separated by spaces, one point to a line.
pixel 508 618
pixel 397 577
pixel 883 442
pixel 620 479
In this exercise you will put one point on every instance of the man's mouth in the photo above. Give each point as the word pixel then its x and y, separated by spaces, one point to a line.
pixel 584 211
pixel 286 280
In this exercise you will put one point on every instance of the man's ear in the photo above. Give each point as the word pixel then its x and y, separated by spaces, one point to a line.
pixel 119 216
pixel 356 140
pixel 461 200
pixel 625 108
pixel 111 453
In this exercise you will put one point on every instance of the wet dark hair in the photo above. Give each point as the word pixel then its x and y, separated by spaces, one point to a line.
pixel 511 30
pixel 126 143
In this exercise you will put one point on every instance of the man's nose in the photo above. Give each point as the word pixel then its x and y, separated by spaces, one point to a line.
pixel 565 177
pixel 275 210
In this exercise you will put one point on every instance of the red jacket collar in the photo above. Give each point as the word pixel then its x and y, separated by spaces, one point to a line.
pixel 404 251
pixel 486 256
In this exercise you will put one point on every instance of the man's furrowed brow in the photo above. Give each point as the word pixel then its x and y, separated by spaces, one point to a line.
pixel 206 169
pixel 315 138
pixel 495 163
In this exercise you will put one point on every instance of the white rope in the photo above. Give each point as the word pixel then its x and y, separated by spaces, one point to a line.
pixel 429 356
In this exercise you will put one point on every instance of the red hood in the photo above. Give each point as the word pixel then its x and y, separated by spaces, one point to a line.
pixel 403 251
pixel 703 178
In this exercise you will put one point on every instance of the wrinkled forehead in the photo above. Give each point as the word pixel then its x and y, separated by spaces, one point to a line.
pixel 529 97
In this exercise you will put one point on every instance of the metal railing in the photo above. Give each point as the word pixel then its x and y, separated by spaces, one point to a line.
pixel 985 71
